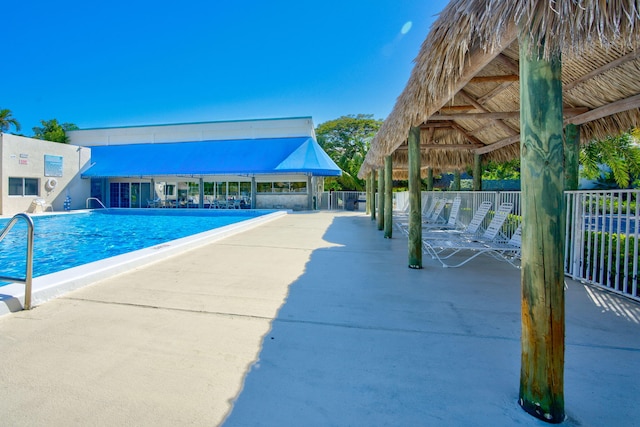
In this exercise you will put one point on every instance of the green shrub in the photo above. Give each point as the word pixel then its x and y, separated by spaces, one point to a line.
pixel 596 263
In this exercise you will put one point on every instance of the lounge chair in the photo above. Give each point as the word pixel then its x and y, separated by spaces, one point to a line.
pixel 39 205
pixel 472 229
pixel 155 203
pixel 433 215
pixel 491 241
pixel 436 215
pixel 451 224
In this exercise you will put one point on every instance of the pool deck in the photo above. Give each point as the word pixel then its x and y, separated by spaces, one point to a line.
pixel 311 319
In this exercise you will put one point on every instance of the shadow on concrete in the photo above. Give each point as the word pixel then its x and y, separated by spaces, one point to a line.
pixel 12 303
pixel 364 340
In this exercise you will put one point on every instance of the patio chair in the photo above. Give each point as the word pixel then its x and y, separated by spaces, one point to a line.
pixel 155 203
pixel 40 205
pixel 436 215
pixel 491 241
pixel 472 229
pixel 451 224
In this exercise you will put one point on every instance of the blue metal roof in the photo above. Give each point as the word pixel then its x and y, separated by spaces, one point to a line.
pixel 228 157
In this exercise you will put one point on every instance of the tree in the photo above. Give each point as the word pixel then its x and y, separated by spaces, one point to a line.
pixel 620 154
pixel 505 170
pixel 346 140
pixel 51 130
pixel 6 121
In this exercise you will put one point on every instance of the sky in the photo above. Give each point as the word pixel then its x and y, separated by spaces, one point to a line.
pixel 139 62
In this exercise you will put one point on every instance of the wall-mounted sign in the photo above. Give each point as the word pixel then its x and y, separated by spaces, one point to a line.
pixel 52 165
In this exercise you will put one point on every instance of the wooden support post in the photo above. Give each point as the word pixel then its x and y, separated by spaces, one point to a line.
pixel 373 195
pixel 381 199
pixel 477 172
pixel 429 179
pixel 388 198
pixel 542 273
pixel 368 194
pixel 415 200
pixel 456 181
pixel 571 157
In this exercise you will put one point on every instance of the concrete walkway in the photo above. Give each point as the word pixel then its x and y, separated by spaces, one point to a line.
pixel 315 320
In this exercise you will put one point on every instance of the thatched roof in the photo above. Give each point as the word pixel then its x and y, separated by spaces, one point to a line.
pixel 464 92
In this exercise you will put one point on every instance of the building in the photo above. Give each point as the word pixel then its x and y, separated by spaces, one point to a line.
pixel 39 175
pixel 261 164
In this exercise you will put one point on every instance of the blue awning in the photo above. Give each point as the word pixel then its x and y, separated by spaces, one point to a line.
pixel 228 157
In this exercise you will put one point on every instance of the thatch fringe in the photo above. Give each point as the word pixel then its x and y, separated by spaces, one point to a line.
pixel 468 29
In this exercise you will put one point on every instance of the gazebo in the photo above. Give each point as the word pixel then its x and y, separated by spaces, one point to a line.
pixel 498 80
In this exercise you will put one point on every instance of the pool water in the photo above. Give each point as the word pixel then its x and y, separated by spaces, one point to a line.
pixel 69 240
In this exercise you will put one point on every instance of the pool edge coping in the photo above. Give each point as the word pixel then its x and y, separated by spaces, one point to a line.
pixel 50 286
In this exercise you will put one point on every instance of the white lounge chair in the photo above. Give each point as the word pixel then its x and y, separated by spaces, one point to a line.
pixel 155 203
pixel 451 224
pixel 491 241
pixel 39 205
pixel 473 228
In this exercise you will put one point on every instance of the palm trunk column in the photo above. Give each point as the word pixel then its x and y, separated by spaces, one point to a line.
pixel 388 198
pixel 415 200
pixel 542 274
pixel 381 199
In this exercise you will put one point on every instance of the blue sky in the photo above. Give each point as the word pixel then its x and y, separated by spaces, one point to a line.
pixel 121 63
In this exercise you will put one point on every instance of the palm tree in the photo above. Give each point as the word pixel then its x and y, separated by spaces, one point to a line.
pixel 6 121
pixel 620 153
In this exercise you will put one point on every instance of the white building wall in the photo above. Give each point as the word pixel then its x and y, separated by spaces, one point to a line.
pixel 189 132
pixel 22 157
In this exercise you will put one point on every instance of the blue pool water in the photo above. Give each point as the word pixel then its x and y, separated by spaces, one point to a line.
pixel 70 240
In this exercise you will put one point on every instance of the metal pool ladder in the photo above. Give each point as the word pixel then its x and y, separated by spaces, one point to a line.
pixel 29 270
pixel 97 200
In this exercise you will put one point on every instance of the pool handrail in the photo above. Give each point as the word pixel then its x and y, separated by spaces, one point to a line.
pixel 29 268
pixel 97 200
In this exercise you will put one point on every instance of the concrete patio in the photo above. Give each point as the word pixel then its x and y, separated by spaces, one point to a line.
pixel 312 319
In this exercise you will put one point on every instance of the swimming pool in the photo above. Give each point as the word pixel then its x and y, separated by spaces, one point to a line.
pixel 69 240
pixel 76 248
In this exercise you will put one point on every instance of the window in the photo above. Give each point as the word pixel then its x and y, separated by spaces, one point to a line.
pixel 280 187
pixel 234 189
pixel 245 189
pixel 23 187
pixel 264 187
pixel 299 187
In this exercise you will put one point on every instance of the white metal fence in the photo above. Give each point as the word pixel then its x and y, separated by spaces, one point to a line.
pixel 470 200
pixel 343 200
pixel 601 245
pixel 601 238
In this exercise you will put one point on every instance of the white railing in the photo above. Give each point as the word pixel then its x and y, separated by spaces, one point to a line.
pixel 470 200
pixel 343 200
pixel 602 234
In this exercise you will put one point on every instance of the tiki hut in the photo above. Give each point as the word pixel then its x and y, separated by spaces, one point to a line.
pixel 502 79
pixel 463 92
